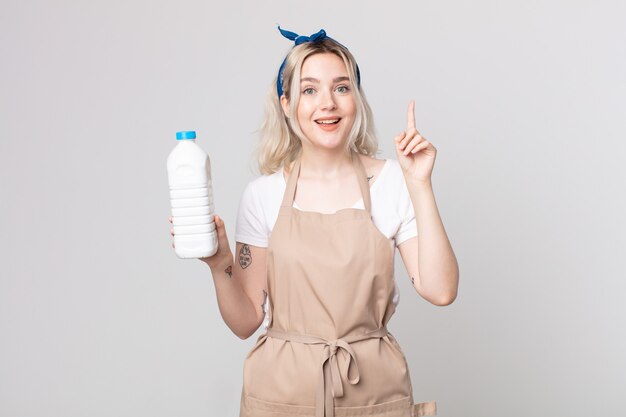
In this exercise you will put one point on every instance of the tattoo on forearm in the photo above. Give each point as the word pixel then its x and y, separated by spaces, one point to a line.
pixel 229 271
pixel 413 281
pixel 370 177
pixel 264 300
pixel 245 257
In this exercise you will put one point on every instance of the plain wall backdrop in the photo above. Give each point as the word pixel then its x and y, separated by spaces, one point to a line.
pixel 524 101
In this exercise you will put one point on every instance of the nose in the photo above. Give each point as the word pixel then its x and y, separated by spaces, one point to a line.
pixel 327 101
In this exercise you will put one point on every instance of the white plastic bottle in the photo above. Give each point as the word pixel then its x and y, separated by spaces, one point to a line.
pixel 191 197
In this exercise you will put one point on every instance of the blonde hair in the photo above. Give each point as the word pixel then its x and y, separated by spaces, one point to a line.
pixel 281 135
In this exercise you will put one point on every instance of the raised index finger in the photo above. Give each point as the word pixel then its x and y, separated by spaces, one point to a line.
pixel 410 116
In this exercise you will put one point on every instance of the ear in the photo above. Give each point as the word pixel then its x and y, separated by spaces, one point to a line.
pixel 284 103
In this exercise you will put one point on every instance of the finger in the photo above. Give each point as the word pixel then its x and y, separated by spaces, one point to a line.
pixel 172 231
pixel 414 142
pixel 423 145
pixel 397 141
pixel 408 137
pixel 222 238
pixel 170 219
pixel 410 116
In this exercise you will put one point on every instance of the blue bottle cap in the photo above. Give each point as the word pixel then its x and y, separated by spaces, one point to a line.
pixel 190 134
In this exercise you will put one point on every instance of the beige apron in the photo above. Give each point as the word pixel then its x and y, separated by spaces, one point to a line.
pixel 327 351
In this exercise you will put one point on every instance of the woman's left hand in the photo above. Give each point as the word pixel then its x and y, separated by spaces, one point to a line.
pixel 415 154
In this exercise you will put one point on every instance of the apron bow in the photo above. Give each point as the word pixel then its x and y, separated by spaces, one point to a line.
pixel 331 372
pixel 330 359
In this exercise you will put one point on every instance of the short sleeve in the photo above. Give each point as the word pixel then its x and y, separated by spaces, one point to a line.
pixel 408 225
pixel 251 227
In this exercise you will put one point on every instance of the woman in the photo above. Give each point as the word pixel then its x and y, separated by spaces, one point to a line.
pixel 318 267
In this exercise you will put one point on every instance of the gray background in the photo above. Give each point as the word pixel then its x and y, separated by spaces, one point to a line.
pixel 523 100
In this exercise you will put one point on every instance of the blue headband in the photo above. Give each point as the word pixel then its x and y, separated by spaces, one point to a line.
pixel 300 39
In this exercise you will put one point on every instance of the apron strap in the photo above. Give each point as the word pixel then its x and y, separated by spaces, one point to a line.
pixel 361 176
pixel 290 190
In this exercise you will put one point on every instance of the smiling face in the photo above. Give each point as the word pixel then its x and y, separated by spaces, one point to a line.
pixel 326 107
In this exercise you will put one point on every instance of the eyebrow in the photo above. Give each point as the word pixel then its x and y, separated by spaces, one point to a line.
pixel 315 80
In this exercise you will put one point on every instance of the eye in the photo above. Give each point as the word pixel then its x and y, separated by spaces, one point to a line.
pixel 342 89
pixel 308 91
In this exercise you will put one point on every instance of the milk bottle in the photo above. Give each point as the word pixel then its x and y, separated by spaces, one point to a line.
pixel 191 197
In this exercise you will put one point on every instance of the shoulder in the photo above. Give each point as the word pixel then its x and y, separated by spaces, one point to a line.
pixel 264 184
pixel 390 184
pixel 373 167
pixel 262 193
pixel 259 202
pixel 371 163
pixel 388 170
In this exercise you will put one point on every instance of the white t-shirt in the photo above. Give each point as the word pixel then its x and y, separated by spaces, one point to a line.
pixel 392 210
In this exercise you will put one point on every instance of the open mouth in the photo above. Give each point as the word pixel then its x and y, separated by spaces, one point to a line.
pixel 327 121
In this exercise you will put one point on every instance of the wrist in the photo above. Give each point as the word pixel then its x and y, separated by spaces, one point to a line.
pixel 220 263
pixel 418 183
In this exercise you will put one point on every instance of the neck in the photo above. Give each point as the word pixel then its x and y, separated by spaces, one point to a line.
pixel 324 164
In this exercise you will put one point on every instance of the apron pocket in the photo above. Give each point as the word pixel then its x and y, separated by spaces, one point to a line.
pixel 254 407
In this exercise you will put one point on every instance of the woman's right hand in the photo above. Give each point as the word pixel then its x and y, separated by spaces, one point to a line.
pixel 223 257
pixel 223 254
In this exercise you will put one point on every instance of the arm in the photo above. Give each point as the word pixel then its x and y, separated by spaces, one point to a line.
pixel 239 283
pixel 429 258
